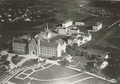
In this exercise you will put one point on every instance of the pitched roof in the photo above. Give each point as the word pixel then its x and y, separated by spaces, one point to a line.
pixel 49 44
pixel 57 39
pixel 24 36
pixel 19 40
pixel 86 35
pixel 33 40
pixel 81 38
pixel 60 41
pixel 42 34
pixel 74 35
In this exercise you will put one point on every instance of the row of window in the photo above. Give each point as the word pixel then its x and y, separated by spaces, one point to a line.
pixel 19 47
pixel 47 48
pixel 19 50
pixel 18 44
pixel 48 52
pixel 44 54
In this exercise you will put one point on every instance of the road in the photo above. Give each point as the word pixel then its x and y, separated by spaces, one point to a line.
pixel 99 36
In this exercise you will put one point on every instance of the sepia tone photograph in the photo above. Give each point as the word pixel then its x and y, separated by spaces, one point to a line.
pixel 59 42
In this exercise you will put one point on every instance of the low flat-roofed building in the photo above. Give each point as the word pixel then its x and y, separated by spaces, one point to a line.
pixel 68 31
pixel 97 26
pixel 67 23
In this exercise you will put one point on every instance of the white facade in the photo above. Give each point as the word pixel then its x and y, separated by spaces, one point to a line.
pixel 87 37
pixel 104 64
pixel 67 31
pixel 62 31
pixel 79 39
pixel 97 27
pixel 61 48
pixel 79 23
pixel 67 23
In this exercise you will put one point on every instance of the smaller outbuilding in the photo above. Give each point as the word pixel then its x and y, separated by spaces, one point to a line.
pixel 97 26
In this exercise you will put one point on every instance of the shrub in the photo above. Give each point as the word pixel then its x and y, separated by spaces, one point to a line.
pixel 7 63
pixel 15 56
pixel 77 53
pixel 82 53
pixel 53 58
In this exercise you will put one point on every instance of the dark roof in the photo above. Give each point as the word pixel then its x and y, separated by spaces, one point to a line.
pixel 25 36
pixel 98 23
pixel 81 38
pixel 54 38
pixel 71 38
pixel 74 35
pixel 60 41
pixel 57 39
pixel 49 44
pixel 19 40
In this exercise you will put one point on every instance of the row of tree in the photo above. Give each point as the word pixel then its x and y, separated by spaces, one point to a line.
pixel 75 51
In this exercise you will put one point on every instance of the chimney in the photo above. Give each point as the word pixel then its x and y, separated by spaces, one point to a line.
pixel 47 26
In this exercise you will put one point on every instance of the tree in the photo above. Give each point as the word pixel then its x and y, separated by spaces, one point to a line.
pixel 68 49
pixel 85 54
pixel 72 53
pixel 75 46
pixel 84 46
pixel 82 53
pixel 77 53
pixel 15 56
pixel 64 62
pixel 113 69
pixel 93 56
pixel 7 63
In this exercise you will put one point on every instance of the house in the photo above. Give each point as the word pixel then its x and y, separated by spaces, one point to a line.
pixel 97 26
pixel 87 36
pixel 79 38
pixel 101 64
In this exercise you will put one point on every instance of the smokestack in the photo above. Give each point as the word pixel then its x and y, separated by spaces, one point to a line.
pixel 47 26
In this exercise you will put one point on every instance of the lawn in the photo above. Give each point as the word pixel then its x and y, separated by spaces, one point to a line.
pixel 28 71
pixel 54 72
pixel 59 75
pixel 93 81
pixel 16 60
pixel 83 61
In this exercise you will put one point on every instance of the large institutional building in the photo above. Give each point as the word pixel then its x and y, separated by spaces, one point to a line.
pixel 43 44
pixel 50 44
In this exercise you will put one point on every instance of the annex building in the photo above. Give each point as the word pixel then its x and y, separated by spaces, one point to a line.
pixel 67 28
